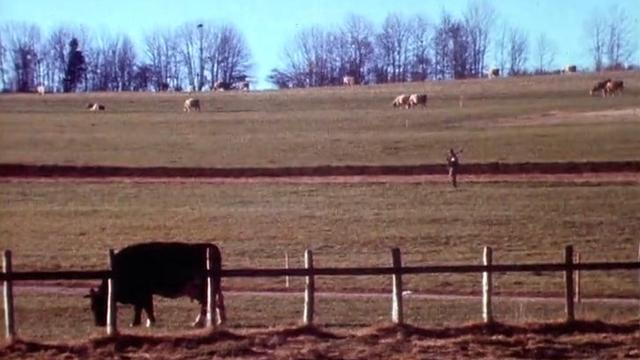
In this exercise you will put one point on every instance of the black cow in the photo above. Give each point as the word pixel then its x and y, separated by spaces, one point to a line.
pixel 168 269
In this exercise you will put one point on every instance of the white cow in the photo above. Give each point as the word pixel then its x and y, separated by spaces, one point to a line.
pixel 41 90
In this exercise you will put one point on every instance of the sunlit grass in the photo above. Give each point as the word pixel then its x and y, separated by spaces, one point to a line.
pixel 328 126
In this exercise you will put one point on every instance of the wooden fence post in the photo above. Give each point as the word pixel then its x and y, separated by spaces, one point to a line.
pixel 307 317
pixel 112 310
pixel 9 319
pixel 578 295
pixel 211 293
pixel 569 287
pixel 286 266
pixel 397 316
pixel 487 286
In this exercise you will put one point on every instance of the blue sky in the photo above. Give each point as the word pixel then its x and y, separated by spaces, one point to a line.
pixel 269 24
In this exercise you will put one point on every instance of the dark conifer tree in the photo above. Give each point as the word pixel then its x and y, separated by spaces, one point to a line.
pixel 75 67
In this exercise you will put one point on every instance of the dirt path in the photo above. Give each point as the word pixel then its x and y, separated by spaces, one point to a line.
pixel 585 178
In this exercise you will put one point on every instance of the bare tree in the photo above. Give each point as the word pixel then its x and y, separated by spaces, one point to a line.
pixel 160 49
pixel 478 20
pixel 187 50
pixel 442 48
pixel 619 38
pixel 421 61
pixel 393 50
pixel 231 54
pixel 125 63
pixel 358 35
pixel 518 51
pixel 24 41
pixel 500 51
pixel 545 53
pixel 595 30
pixel 451 49
pixel 3 61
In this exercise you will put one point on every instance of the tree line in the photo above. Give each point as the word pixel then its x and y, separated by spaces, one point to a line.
pixel 197 55
pixel 405 49
pixel 190 56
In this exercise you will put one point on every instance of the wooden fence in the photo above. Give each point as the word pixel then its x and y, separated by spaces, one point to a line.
pixel 309 272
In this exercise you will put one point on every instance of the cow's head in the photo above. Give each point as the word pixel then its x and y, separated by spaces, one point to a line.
pixel 98 306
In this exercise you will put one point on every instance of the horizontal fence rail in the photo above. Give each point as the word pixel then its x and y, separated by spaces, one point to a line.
pixel 344 271
pixel 570 267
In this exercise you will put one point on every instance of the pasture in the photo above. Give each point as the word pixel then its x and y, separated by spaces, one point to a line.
pixel 55 225
pixel 521 119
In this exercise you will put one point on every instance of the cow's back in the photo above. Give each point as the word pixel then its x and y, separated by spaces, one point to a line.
pixel 161 268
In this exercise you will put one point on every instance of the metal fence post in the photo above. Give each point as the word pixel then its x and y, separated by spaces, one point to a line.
pixel 397 316
pixel 112 310
pixel 569 286
pixel 307 318
pixel 487 286
pixel 9 319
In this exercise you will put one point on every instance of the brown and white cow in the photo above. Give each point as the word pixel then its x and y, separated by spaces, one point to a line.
pixel 614 87
pixel 417 99
pixel 401 100
pixel 95 107
pixel 599 86
pixel 191 104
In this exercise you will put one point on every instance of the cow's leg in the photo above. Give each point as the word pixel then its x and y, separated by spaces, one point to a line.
pixel 137 315
pixel 148 308
pixel 199 322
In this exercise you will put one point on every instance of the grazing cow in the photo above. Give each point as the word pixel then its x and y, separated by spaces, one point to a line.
pixel 599 86
pixel 401 100
pixel 417 99
pixel 348 80
pixel 222 86
pixel 570 69
pixel 41 90
pixel 191 104
pixel 95 107
pixel 169 269
pixel 613 87
pixel 494 73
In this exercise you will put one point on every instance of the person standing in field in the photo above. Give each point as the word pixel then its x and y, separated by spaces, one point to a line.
pixel 453 163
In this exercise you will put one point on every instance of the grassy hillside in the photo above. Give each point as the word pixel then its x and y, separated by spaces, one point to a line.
pixel 547 118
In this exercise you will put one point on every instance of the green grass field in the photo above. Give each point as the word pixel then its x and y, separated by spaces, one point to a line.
pixel 68 225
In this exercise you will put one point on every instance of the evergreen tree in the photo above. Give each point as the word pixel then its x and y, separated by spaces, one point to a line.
pixel 75 67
